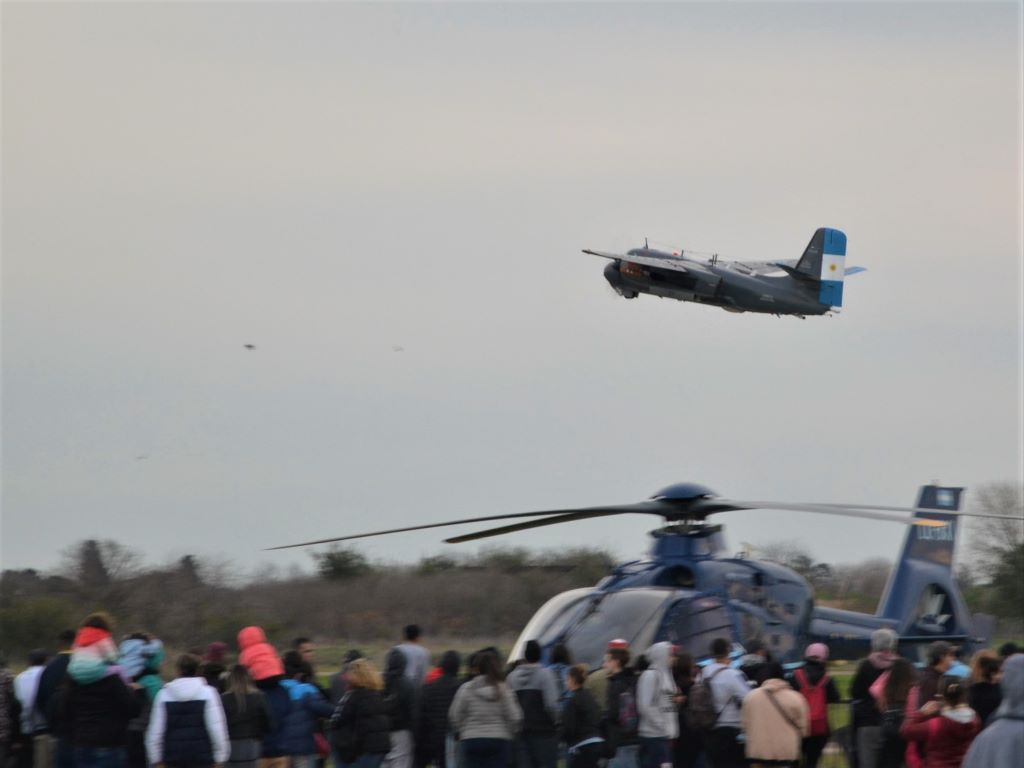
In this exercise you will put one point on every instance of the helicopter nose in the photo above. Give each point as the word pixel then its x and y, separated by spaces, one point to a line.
pixel 684 492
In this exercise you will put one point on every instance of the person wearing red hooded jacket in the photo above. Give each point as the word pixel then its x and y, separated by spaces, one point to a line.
pixel 944 728
pixel 267 671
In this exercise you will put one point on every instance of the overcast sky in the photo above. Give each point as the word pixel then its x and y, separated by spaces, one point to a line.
pixel 389 202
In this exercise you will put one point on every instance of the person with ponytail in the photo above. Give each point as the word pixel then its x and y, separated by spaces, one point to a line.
pixel 944 726
pixel 248 718
pixel 486 715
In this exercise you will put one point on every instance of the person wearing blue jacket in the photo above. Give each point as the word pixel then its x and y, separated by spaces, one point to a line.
pixel 307 707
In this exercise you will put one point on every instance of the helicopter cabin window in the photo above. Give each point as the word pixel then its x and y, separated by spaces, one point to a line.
pixel 624 614
pixel 694 623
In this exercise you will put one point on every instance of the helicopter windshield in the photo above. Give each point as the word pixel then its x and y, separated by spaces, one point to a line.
pixel 629 614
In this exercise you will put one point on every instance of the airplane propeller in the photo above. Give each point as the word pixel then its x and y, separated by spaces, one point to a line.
pixel 676 503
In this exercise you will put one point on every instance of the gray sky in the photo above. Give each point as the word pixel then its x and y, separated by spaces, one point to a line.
pixel 329 181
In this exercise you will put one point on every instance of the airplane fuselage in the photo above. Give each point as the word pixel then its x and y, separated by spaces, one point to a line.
pixel 728 285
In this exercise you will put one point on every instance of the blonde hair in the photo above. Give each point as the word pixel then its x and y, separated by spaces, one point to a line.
pixel 362 674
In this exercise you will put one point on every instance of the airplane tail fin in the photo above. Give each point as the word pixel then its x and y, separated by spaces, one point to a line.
pixel 824 260
pixel 922 595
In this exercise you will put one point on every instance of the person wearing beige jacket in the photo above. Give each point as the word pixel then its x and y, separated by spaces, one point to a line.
pixel 775 721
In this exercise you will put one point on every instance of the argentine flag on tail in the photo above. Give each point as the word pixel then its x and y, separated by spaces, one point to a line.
pixel 833 268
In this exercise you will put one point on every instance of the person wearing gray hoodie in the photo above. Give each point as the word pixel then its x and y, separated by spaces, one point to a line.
pixel 1001 744
pixel 657 702
pixel 536 689
pixel 486 716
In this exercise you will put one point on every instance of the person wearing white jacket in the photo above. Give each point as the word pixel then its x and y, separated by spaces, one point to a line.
pixel 657 702
pixel 187 726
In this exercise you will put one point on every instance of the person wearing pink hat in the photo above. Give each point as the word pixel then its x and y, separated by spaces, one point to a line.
pixel 814 683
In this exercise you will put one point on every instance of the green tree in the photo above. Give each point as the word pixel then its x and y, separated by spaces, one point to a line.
pixel 340 563
pixel 996 548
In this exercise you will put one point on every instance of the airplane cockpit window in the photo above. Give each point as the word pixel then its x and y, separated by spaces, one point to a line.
pixel 627 614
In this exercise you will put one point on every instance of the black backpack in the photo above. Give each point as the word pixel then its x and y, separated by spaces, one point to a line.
pixel 701 714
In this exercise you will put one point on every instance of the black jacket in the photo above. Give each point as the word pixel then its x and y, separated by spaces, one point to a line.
pixel 359 725
pixel 252 720
pixel 47 697
pixel 399 693
pixel 865 711
pixel 622 682
pixel 435 701
pixel 984 699
pixel 581 717
pixel 97 714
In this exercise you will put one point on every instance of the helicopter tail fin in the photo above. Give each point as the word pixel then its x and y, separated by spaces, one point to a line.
pixel 824 261
pixel 922 595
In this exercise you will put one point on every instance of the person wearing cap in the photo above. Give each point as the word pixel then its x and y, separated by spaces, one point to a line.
pixel 813 682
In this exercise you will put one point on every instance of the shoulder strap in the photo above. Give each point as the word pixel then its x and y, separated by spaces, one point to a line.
pixel 711 693
pixel 781 711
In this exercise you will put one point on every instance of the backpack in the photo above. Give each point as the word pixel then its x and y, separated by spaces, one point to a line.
pixel 701 714
pixel 816 702
pixel 629 718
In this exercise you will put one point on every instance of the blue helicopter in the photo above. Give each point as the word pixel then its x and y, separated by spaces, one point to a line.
pixel 689 591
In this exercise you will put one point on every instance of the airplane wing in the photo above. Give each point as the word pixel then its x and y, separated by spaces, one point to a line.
pixel 676 264
pixel 768 267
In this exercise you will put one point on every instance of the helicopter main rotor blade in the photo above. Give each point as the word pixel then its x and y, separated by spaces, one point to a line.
pixel 727 505
pixel 924 510
pixel 644 508
pixel 648 507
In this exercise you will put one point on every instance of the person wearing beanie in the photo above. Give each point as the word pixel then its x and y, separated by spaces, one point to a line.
pixel 536 689
pixel 213 669
pixel 819 689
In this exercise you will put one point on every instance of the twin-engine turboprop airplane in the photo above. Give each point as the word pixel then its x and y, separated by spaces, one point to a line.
pixel 810 285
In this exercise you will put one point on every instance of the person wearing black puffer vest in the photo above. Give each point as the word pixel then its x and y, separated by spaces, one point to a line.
pixel 186 726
